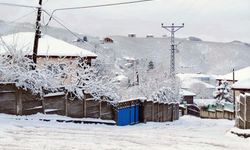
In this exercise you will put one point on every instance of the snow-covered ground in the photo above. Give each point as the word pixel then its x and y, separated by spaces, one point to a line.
pixel 187 133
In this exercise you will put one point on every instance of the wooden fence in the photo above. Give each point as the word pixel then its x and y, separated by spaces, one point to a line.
pixel 216 114
pixel 17 101
pixel 21 102
pixel 243 112
pixel 159 112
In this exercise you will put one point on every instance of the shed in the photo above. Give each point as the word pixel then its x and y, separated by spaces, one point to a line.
pixel 187 96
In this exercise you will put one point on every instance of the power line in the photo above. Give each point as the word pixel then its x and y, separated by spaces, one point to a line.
pixel 56 19
pixel 19 5
pixel 60 23
pixel 21 17
pixel 97 6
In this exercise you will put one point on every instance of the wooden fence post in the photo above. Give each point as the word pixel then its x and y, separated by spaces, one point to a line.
pixel 66 106
pixel 19 104
pixel 100 109
pixel 245 112
pixel 153 111
pixel 84 108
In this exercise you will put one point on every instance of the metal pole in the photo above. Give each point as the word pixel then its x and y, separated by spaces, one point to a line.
pixel 172 29
pixel 38 32
pixel 234 99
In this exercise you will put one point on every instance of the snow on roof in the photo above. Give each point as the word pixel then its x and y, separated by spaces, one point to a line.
pixel 187 84
pixel 241 74
pixel 186 93
pixel 242 84
pixel 193 75
pixel 48 46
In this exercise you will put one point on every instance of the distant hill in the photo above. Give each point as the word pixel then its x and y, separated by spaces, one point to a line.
pixel 193 55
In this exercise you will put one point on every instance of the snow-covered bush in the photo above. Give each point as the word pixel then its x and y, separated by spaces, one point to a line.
pixel 222 93
pixel 87 79
pixel 164 95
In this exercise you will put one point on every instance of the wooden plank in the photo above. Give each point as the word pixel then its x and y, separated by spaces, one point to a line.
pixel 8 87
pixel 8 107
pixel 19 103
pixel 31 104
pixel 31 111
pixel 75 108
pixel 57 102
pixel 156 112
pixel 106 111
pixel 7 96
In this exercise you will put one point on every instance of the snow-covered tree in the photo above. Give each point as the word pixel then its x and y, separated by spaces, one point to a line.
pixel 88 80
pixel 164 95
pixel 151 65
pixel 222 93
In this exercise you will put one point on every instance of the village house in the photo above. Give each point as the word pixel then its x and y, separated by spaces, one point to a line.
pixel 187 96
pixel 239 75
pixel 50 49
pixel 108 40
pixel 243 103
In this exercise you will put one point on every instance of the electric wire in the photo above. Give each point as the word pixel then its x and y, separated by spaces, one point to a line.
pixel 19 5
pixel 97 6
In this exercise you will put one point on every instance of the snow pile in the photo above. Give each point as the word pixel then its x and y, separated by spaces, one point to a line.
pixel 238 131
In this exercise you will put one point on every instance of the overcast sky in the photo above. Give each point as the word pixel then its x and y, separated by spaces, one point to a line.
pixel 212 20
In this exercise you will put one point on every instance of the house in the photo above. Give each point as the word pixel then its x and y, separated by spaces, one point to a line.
pixel 108 40
pixel 243 104
pixel 150 36
pixel 132 35
pixel 187 96
pixel 200 88
pixel 49 48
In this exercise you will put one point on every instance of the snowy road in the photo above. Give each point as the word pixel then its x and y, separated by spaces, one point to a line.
pixel 189 133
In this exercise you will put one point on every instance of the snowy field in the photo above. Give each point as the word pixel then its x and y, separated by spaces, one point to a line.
pixel 188 133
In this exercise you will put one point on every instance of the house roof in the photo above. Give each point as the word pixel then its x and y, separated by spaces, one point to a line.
pixel 183 76
pixel 186 93
pixel 48 46
pixel 241 74
pixel 242 85
pixel 188 83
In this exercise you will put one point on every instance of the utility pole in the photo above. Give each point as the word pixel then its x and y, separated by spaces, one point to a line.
pixel 234 99
pixel 38 32
pixel 173 47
